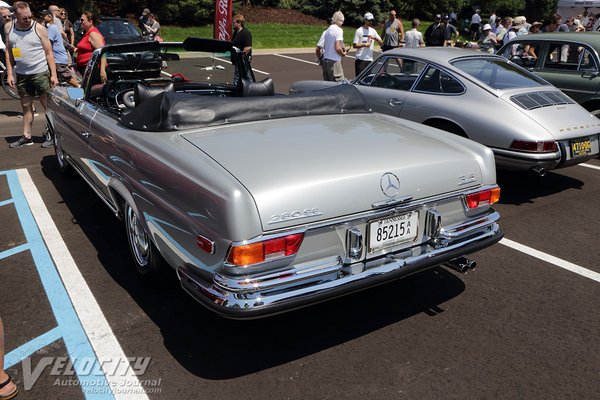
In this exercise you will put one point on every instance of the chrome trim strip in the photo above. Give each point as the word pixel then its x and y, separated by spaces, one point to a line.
pixel 392 202
pixel 364 216
pixel 306 271
pixel 360 218
pixel 454 232
pixel 231 302
pixel 102 196
pixel 289 276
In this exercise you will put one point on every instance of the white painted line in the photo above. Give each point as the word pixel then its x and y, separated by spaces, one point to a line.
pixel 253 69
pixel 295 59
pixel 590 166
pixel 260 72
pixel 552 260
pixel 92 319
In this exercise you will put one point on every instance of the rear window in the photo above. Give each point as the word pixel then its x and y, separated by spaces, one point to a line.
pixel 118 28
pixel 498 74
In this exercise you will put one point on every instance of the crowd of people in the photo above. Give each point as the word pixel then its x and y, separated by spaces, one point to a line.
pixel 442 32
pixel 40 52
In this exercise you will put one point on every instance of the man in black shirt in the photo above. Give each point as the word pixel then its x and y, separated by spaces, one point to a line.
pixel 242 39
pixel 143 21
pixel 436 34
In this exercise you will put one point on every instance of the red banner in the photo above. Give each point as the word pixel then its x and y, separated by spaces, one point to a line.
pixel 223 20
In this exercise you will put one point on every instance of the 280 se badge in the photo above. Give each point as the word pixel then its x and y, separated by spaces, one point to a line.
pixel 287 216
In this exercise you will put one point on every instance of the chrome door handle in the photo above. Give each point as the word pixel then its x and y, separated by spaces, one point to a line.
pixel 85 134
pixel 394 102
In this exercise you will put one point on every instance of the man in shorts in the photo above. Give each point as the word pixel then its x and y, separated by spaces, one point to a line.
pixel 29 54
pixel 61 58
pixel 334 50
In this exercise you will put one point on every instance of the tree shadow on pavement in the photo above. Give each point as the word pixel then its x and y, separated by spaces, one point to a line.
pixel 212 347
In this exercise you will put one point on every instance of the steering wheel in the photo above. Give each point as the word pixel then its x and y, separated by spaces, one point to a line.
pixel 127 98
pixel 384 80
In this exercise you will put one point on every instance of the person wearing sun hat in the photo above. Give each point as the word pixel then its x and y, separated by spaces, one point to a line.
pixel 363 42
pixel 520 25
pixel 488 41
pixel 535 27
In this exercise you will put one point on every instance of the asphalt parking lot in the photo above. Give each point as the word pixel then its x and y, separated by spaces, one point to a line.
pixel 523 325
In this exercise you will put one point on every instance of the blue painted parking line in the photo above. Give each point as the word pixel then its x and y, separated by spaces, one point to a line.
pixel 93 382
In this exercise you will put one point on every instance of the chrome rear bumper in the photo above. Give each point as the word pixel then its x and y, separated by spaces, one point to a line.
pixel 328 278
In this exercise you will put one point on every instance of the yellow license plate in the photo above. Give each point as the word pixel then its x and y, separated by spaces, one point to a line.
pixel 581 148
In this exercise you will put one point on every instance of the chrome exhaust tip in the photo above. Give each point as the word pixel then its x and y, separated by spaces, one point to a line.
pixel 461 264
pixel 540 170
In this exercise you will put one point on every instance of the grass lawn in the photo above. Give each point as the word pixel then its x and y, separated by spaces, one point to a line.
pixel 273 36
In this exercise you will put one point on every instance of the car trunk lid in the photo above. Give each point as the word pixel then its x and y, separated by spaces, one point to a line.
pixel 307 169
pixel 556 113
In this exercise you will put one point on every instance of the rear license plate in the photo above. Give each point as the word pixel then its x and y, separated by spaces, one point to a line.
pixel 581 147
pixel 390 231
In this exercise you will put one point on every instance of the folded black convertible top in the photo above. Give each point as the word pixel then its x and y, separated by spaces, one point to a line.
pixel 170 111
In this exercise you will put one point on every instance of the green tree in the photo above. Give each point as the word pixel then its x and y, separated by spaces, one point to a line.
pixel 188 12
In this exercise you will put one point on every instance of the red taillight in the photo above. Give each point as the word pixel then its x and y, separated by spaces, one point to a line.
pixel 488 196
pixel 546 146
pixel 205 244
pixel 266 250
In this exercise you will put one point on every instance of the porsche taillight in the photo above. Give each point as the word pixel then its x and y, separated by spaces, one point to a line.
pixel 266 250
pixel 540 146
pixel 486 196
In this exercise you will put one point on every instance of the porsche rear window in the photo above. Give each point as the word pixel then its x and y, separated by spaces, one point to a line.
pixel 498 74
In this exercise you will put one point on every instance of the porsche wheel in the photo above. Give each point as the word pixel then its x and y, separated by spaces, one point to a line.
pixel 147 259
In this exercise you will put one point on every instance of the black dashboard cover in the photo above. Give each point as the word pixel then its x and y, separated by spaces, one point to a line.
pixel 180 111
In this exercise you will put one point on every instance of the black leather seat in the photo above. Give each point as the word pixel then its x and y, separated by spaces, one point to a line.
pixel 144 91
pixel 266 87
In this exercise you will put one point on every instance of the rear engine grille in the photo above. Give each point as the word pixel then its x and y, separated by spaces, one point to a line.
pixel 530 101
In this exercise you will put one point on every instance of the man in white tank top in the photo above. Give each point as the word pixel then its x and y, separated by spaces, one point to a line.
pixel 29 55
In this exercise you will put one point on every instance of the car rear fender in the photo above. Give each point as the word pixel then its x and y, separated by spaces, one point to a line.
pixel 446 125
pixel 120 195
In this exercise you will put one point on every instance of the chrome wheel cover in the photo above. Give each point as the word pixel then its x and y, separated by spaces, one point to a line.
pixel 138 239
pixel 60 155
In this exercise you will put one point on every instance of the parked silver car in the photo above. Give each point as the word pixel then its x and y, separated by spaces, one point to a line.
pixel 528 123
pixel 263 204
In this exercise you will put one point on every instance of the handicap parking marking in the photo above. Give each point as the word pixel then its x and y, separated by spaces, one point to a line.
pixel 102 369
pixel 551 259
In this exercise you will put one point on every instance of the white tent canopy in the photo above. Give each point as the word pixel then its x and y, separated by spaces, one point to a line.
pixel 571 8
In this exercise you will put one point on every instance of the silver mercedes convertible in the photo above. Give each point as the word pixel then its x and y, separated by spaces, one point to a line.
pixel 264 203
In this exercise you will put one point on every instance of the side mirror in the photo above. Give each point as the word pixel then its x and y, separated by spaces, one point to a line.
pixel 75 93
